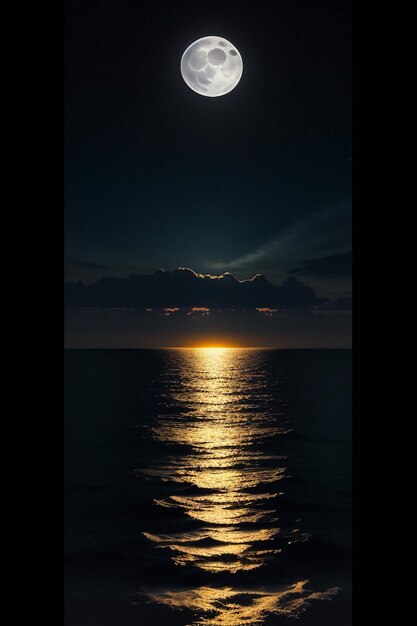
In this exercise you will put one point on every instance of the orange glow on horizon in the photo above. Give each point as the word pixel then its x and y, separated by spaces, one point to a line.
pixel 217 348
pixel 219 344
pixel 214 347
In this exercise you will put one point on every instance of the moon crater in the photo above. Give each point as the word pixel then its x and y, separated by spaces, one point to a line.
pixel 216 56
pixel 208 70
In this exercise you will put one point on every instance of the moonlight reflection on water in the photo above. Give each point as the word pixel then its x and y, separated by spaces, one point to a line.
pixel 221 417
pixel 231 607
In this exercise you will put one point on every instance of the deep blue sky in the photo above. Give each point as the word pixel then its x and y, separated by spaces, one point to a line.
pixel 258 180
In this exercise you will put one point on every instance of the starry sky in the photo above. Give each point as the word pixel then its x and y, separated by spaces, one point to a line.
pixel 254 182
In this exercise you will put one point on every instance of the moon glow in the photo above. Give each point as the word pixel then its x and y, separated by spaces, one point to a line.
pixel 211 66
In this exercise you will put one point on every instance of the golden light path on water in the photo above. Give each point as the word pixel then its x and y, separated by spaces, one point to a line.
pixel 221 414
pixel 230 607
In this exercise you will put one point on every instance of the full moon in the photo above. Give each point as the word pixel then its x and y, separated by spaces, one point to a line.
pixel 211 66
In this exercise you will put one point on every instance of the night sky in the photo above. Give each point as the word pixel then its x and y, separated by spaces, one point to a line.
pixel 256 181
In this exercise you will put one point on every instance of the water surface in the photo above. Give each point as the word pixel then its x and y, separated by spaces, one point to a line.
pixel 208 486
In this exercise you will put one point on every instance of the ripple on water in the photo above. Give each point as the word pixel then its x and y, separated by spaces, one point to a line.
pixel 220 418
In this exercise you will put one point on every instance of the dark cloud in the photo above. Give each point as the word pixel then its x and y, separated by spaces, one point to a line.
pixel 184 288
pixel 341 304
pixel 335 265
pixel 86 264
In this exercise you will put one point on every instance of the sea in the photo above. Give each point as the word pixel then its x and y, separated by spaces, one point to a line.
pixel 208 487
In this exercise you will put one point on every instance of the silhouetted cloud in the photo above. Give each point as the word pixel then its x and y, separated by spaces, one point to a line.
pixel 335 265
pixel 87 264
pixel 184 288
pixel 341 304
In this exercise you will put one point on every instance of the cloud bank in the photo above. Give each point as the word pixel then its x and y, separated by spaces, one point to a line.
pixel 184 288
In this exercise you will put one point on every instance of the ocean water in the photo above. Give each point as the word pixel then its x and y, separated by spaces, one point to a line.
pixel 207 487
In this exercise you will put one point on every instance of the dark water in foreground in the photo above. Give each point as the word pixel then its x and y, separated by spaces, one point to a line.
pixel 208 487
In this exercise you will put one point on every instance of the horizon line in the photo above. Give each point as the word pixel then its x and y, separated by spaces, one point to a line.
pixel 201 347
